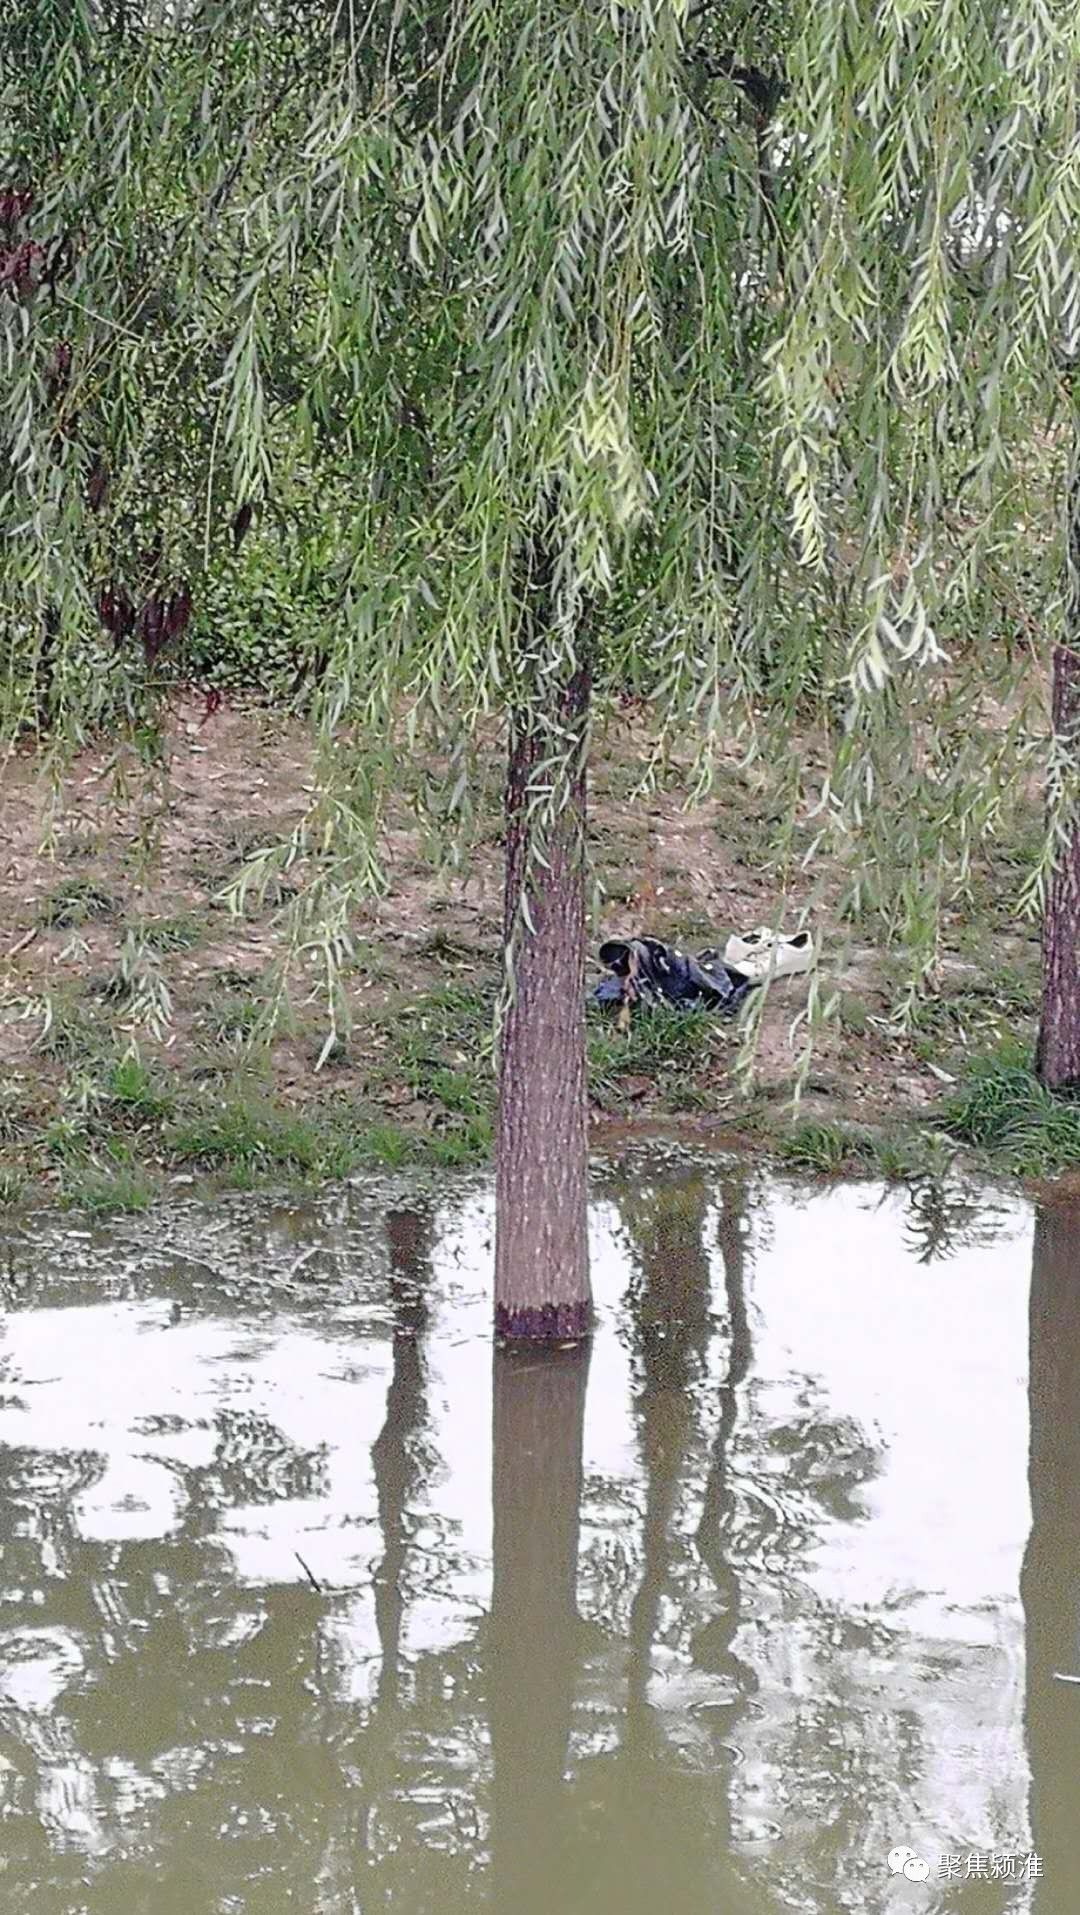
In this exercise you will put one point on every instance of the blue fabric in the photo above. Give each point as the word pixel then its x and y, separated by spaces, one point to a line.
pixel 666 976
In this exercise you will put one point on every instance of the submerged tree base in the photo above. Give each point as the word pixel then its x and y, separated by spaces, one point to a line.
pixel 543 1322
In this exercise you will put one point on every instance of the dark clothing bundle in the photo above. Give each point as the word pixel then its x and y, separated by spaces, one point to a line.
pixel 645 971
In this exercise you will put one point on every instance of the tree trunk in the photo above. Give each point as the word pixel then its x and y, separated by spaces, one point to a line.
pixel 1057 1057
pixel 541 1234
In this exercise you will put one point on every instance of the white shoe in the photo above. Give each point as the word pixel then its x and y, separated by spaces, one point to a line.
pixel 738 949
pixel 776 957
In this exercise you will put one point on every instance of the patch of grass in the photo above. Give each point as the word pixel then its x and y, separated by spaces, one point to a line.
pixel 76 901
pixel 455 1091
pixel 684 1095
pixel 385 1145
pixel 823 1147
pixel 112 987
pixel 907 1155
pixel 440 1047
pixel 243 1176
pixel 225 1019
pixel 243 841
pixel 217 863
pixel 16 1116
pixel 180 933
pixel 247 1141
pixel 618 887
pixel 12 1188
pixel 457 1146
pixel 68 1035
pixel 452 1009
pixel 374 964
pixel 617 781
pixel 903 1156
pixel 207 1069
pixel 696 934
pixel 245 836
pixel 248 1131
pixel 64 1140
pixel 659 1041
pixel 853 1013
pixel 337 1057
pixel 1005 993
pixel 269 896
pixel 137 1092
pixel 126 1188
pixel 1001 1106
pixel 229 977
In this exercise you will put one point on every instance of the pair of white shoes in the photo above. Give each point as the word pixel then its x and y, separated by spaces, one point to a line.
pixel 766 953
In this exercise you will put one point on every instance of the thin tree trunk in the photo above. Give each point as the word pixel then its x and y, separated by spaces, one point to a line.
pixel 541 1237
pixel 1057 1057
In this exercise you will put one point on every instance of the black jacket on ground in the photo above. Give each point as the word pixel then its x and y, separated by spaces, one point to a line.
pixel 645 971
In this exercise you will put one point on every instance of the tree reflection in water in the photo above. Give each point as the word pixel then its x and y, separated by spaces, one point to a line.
pixel 623 1799
pixel 1051 1578
pixel 188 1722
pixel 532 1638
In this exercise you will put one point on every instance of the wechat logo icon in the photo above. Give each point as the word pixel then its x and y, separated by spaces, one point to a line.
pixel 904 1861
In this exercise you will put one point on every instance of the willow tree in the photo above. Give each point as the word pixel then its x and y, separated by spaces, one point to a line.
pixel 647 345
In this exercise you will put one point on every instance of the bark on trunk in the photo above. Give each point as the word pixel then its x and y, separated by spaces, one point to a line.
pixel 538 1423
pixel 541 1239
pixel 1057 1056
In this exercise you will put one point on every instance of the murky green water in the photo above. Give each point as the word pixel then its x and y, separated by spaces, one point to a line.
pixel 307 1604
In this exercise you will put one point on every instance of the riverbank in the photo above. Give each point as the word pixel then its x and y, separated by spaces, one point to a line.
pixel 95 941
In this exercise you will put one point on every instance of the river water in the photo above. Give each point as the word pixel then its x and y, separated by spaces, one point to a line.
pixel 308 1602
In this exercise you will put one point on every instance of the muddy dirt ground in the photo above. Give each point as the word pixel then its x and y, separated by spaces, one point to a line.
pixel 414 1071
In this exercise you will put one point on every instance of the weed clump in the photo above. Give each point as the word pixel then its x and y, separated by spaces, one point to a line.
pixel 77 901
pixel 1002 1107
